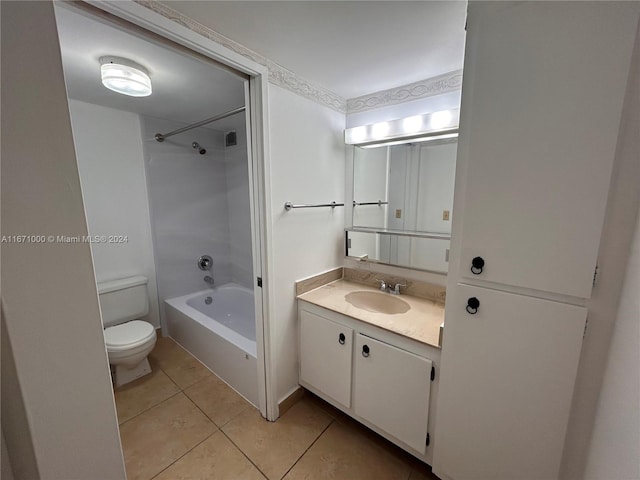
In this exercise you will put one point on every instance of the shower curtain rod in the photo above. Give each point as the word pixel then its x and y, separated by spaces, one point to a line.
pixel 160 137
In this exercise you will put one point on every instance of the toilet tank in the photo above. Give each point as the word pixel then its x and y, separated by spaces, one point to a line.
pixel 123 299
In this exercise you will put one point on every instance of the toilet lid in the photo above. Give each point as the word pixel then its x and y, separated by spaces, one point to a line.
pixel 128 334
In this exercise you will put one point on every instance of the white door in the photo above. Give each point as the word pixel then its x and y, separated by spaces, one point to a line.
pixel 543 89
pixel 325 357
pixel 391 390
pixel 506 385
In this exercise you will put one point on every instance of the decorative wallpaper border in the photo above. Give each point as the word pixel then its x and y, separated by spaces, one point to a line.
pixel 282 77
pixel 278 75
pixel 445 83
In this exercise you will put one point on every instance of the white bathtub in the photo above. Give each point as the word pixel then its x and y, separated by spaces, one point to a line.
pixel 222 335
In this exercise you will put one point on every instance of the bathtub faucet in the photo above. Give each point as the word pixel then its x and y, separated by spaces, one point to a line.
pixel 209 280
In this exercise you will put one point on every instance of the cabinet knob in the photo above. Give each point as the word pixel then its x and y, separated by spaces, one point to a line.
pixel 365 350
pixel 472 305
pixel 477 264
pixel 341 339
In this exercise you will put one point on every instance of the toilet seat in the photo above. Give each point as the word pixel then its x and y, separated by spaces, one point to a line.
pixel 129 335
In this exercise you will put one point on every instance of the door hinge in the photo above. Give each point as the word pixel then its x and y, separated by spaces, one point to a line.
pixel 259 282
pixel 433 373
pixel 595 275
pixel 428 441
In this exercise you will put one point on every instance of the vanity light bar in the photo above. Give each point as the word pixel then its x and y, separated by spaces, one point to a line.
pixel 405 140
pixel 430 126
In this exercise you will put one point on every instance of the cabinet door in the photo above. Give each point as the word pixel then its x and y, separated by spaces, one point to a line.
pixel 506 384
pixel 541 106
pixel 325 356
pixel 392 390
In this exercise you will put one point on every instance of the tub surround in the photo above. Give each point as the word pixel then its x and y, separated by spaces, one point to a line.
pixel 422 322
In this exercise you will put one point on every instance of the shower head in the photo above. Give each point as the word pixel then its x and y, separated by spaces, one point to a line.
pixel 197 146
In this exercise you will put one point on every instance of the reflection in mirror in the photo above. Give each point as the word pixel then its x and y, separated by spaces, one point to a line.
pixel 428 252
pixel 407 187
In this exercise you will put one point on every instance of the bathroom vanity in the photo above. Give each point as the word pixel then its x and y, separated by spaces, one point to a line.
pixel 374 356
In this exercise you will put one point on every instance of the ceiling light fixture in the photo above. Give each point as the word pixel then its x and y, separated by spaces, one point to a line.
pixel 125 76
pixel 418 128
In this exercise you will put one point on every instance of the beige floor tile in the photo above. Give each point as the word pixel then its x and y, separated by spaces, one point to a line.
pixel 217 400
pixel 167 353
pixel 275 446
pixel 346 452
pixel 177 363
pixel 142 394
pixel 158 437
pixel 216 457
pixel 188 372
pixel 329 409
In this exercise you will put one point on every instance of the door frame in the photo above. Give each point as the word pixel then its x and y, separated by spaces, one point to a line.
pixel 258 151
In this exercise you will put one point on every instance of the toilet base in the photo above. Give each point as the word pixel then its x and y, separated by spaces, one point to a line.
pixel 125 375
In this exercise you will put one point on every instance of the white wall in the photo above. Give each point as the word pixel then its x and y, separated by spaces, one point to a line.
pixel 615 444
pixel 613 256
pixel 110 161
pixel 615 415
pixel 307 166
pixel 188 199
pixel 6 472
pixel 49 297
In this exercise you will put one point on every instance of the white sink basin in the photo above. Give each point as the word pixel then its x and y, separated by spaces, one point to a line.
pixel 377 302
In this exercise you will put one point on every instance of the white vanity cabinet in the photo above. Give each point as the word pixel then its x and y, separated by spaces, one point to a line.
pixel 391 390
pixel 381 379
pixel 325 356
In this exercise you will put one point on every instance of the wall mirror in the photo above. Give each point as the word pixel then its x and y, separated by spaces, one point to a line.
pixel 406 187
pixel 429 253
pixel 403 201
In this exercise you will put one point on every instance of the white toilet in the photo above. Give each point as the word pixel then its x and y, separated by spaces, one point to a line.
pixel 128 340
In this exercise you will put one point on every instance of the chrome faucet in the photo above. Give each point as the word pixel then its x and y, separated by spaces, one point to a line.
pixel 388 287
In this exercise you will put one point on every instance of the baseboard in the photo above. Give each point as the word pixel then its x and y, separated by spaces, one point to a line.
pixel 290 401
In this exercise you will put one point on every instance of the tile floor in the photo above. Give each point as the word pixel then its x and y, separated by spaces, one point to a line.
pixel 182 422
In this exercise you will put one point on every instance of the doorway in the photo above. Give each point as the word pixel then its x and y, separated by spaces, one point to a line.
pixel 172 189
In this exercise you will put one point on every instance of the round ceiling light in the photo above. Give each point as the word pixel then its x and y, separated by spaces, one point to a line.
pixel 125 77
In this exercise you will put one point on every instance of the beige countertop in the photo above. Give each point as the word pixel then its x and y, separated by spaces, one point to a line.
pixel 422 321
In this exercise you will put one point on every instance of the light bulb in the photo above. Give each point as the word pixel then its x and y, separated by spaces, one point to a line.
pixel 412 124
pixel 440 119
pixel 380 130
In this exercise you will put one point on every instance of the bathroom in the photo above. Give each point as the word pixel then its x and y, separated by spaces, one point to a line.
pixel 294 244
pixel 175 209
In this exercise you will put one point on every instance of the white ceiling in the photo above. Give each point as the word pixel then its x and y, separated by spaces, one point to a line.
pixel 185 88
pixel 352 48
